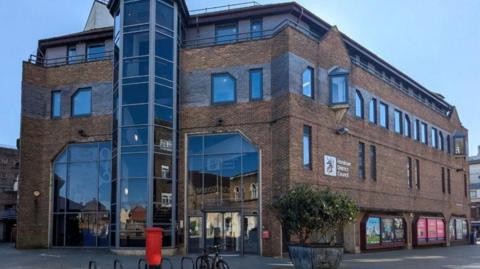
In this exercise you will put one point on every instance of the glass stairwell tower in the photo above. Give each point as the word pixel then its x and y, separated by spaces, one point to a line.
pixel 144 148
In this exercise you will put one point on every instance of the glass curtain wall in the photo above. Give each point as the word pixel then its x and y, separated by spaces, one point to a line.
pixel 145 94
pixel 81 205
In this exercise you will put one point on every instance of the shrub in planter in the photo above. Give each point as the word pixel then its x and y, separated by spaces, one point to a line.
pixel 304 210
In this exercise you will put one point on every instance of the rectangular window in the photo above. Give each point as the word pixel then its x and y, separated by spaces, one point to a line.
pixel 465 185
pixel 56 104
pixel 82 102
pixel 434 137
pixel 372 111
pixel 373 163
pixel 223 88
pixel 417 168
pixel 459 145
pixel 256 28
pixel 416 130
pixel 226 33
pixel 449 186
pixel 361 160
pixel 338 89
pixel 407 126
pixel 398 121
pixel 307 147
pixel 443 180
pixel 72 55
pixel 409 172
pixel 256 84
pixel 383 115
pixel 473 194
pixel 449 147
pixel 308 84
pixel 95 52
pixel 423 133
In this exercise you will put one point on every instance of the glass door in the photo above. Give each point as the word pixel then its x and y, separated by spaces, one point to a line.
pixel 223 228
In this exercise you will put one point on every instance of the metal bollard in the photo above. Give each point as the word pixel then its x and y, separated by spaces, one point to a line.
pixel 187 259
pixel 92 265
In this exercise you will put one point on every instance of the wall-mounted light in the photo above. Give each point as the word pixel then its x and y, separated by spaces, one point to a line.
pixel 343 131
pixel 82 133
pixel 219 121
pixel 36 194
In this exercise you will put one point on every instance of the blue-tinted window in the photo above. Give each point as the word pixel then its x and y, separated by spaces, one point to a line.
pixel 163 139
pixel 134 165
pixel 256 28
pixel 256 84
pixel 423 133
pixel 384 115
pixel 82 102
pixel 135 115
pixel 434 137
pixel 441 141
pixel 223 88
pixel 359 105
pixel 135 67
pixel 361 160
pixel 135 44
pixel 134 136
pixel 163 69
pixel 164 46
pixel 307 147
pixel 338 89
pixel 416 130
pixel 164 15
pixel 135 93
pixel 96 52
pixel 226 33
pixel 56 105
pixel 225 144
pixel 407 126
pixel 307 82
pixel 163 95
pixel 398 121
pixel 195 145
pixel 372 111
pixel 72 56
pixel 163 116
pixel 136 12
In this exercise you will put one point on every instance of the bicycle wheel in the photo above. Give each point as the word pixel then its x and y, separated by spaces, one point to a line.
pixel 221 264
pixel 202 262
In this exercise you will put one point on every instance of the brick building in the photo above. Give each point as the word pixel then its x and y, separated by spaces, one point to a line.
pixel 9 168
pixel 194 121
pixel 474 163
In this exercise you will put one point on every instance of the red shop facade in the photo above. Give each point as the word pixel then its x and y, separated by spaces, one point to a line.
pixel 429 230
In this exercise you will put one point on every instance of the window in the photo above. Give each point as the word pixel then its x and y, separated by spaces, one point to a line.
pixel 253 191
pixel 473 194
pixel 56 104
pixel 434 137
pixel 407 127
pixel 236 194
pixel 307 147
pixel 223 88
pixel 82 102
pixel 256 84
pixel 338 87
pixel 373 163
pixel 307 82
pixel 72 55
pixel 417 169
pixel 441 141
pixel 95 52
pixel 409 172
pixel 136 13
pixel 423 133
pixel 361 160
pixel 256 28
pixel 449 148
pixel 398 121
pixel 443 180
pixel 226 33
pixel 372 111
pixel 449 186
pixel 459 145
pixel 359 104
pixel 383 115
pixel 166 200
pixel 465 185
pixel 416 130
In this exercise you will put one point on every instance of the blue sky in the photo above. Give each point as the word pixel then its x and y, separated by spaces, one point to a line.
pixel 435 42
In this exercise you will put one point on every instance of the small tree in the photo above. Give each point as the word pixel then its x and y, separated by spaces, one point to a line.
pixel 304 210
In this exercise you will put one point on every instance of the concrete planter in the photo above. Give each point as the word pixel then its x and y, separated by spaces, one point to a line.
pixel 316 256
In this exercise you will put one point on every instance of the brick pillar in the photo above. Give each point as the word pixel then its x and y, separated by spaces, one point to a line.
pixel 409 229
pixel 351 235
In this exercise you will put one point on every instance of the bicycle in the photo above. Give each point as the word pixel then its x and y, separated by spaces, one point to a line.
pixel 206 261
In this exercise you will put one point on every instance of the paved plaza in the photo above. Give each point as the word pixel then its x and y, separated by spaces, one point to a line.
pixel 463 257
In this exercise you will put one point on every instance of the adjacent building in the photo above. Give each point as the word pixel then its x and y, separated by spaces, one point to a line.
pixel 195 121
pixel 9 169
pixel 474 162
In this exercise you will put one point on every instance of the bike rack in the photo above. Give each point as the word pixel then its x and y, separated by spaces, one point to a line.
pixel 117 262
pixel 169 262
pixel 187 259
pixel 92 265
pixel 142 261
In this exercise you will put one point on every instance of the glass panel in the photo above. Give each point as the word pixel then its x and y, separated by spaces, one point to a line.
pixel 80 230
pixel 164 46
pixel 161 213
pixel 83 152
pixel 162 192
pixel 214 229
pixel 358 105
pixel 383 115
pixel 307 146
pixel 104 185
pixel 163 166
pixel 256 84
pixel 307 82
pixel 372 111
pixel 251 188
pixel 136 12
pixel 135 44
pixel 226 33
pixel 135 67
pixel 135 93
pixel 195 233
pixel 163 116
pixel 82 187
pixel 223 88
pixel 231 180
pixel 134 165
pixel 195 145
pixel 60 186
pixel 56 103
pixel 407 126
pixel 398 121
pixel 163 139
pixel 135 115
pixel 251 237
pixel 163 69
pixel 134 136
pixel 58 230
pixel 102 228
pixel 212 181
pixel 105 151
pixel 163 95
pixel 133 212
pixel 72 56
pixel 223 144
pixel 164 15
pixel 82 102
pixel 96 52
pixel 195 182
pixel 256 29
pixel 232 231
pixel 339 89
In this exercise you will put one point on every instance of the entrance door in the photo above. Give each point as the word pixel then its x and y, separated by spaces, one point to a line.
pixel 223 228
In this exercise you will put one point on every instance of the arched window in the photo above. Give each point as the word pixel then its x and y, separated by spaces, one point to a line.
pixel 253 191
pixel 82 102
pixel 308 85
pixel 359 104
pixel 441 141
pixel 407 131
pixel 223 88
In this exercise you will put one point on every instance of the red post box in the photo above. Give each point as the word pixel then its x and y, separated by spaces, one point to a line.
pixel 153 251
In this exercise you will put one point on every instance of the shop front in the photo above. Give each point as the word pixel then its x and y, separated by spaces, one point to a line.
pixel 383 232
pixel 429 231
pixel 458 227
